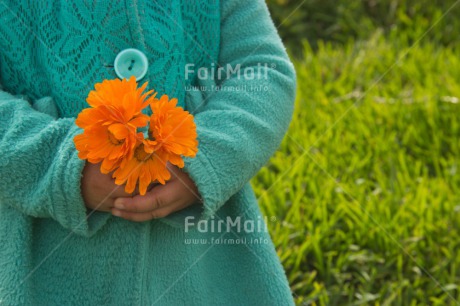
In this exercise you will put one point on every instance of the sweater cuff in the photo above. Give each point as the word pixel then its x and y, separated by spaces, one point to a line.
pixel 68 206
pixel 205 178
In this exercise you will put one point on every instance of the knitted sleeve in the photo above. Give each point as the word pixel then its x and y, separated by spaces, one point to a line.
pixel 238 130
pixel 39 167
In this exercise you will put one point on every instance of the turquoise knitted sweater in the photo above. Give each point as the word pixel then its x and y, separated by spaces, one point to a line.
pixel 52 251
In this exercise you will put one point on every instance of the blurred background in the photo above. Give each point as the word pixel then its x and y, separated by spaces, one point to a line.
pixel 365 187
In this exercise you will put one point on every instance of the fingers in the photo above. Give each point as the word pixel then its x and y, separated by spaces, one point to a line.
pixel 157 203
pixel 160 201
pixel 159 197
pixel 144 216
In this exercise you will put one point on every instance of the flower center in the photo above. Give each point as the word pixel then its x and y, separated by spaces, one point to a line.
pixel 114 140
pixel 151 136
pixel 141 155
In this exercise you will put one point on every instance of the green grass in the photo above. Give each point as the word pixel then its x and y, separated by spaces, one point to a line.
pixel 366 184
pixel 339 20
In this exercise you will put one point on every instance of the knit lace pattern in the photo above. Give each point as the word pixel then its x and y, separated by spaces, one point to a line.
pixel 44 56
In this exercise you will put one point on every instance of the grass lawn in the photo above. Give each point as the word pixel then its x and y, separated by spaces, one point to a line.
pixel 365 187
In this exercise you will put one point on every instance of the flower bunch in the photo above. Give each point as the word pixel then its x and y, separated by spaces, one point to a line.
pixel 112 134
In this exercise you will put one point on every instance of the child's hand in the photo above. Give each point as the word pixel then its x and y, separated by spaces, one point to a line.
pixel 99 190
pixel 178 193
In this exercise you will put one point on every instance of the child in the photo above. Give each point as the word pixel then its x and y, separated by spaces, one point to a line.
pixel 69 235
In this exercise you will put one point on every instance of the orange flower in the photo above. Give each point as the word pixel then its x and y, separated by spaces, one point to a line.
pixel 173 129
pixel 146 166
pixel 110 126
pixel 172 134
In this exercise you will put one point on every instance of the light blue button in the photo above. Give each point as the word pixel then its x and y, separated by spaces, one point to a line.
pixel 131 62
